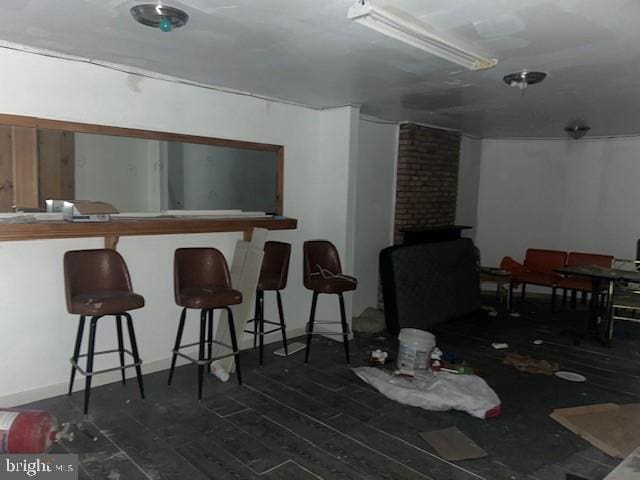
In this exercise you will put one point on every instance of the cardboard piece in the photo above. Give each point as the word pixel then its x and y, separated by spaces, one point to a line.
pixel 87 211
pixel 453 445
pixel 245 272
pixel 614 429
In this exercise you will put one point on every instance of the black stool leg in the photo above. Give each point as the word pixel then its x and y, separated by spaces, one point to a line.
pixel 553 299
pixel 210 335
pixel 176 347
pixel 121 347
pixel 312 317
pixel 90 353
pixel 524 289
pixel 134 351
pixel 203 325
pixel 76 352
pixel 282 325
pixel 510 297
pixel 234 344
pixel 260 320
pixel 256 314
pixel 345 327
pixel 564 296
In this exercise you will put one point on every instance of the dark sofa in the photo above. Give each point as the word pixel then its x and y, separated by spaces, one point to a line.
pixel 428 283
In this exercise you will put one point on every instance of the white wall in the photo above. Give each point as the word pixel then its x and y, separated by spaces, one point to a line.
pixel 559 194
pixel 37 333
pixel 468 184
pixel 375 195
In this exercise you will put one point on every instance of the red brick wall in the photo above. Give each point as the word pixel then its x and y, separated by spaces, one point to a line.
pixel 427 178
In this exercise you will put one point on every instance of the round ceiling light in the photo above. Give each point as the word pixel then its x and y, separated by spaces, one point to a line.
pixel 159 16
pixel 523 79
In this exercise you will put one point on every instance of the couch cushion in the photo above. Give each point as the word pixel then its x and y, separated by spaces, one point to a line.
pixel 544 261
pixel 577 258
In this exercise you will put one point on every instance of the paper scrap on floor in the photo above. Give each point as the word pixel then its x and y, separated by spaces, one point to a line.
pixel 613 428
pixel 524 363
pixel 436 391
pixel 452 444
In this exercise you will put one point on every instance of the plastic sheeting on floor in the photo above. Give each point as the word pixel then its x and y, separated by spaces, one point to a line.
pixel 436 391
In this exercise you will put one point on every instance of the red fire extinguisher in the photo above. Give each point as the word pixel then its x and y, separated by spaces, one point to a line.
pixel 29 431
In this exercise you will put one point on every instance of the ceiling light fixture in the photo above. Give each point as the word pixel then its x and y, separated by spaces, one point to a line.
pixel 412 33
pixel 523 79
pixel 159 16
pixel 577 130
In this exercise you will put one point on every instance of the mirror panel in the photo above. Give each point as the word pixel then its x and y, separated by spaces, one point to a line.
pixel 135 170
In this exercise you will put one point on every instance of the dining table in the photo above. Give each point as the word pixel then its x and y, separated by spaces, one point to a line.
pixel 603 279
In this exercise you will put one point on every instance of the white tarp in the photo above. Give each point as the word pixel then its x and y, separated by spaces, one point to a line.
pixel 435 391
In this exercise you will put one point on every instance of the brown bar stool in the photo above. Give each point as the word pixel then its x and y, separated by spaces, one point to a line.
pixel 323 274
pixel 202 281
pixel 97 284
pixel 273 277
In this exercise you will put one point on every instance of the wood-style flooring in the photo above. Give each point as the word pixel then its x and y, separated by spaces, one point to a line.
pixel 319 421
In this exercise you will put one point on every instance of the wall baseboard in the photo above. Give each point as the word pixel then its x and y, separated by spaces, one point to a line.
pixel 54 390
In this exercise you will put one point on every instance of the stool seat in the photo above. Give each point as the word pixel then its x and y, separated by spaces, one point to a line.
pixel 202 282
pixel 98 285
pixel 208 297
pixel 322 273
pixel 343 283
pixel 105 302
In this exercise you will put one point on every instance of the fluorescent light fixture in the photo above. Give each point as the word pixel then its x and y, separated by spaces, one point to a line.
pixel 395 26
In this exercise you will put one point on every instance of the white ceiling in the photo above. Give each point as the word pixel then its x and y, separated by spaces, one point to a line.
pixel 307 52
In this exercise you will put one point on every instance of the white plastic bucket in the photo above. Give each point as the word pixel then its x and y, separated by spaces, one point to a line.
pixel 415 347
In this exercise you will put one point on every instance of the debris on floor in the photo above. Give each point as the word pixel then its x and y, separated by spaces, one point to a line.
pixel 491 311
pixel 453 445
pixel 378 357
pixel 538 342
pixel 500 346
pixel 439 391
pixel 570 376
pixel 292 348
pixel 371 320
pixel 524 363
pixel 613 428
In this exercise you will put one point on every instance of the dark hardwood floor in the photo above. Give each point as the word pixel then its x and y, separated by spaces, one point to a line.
pixel 295 421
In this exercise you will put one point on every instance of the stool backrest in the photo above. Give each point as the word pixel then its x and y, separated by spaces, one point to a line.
pixel 92 271
pixel 320 254
pixel 199 267
pixel 275 264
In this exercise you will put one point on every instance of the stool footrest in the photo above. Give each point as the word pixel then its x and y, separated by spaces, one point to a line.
pixel 206 360
pixel 106 370
pixel 306 329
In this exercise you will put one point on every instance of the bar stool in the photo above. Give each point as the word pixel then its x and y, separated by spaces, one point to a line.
pixel 97 284
pixel 273 277
pixel 202 282
pixel 323 274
